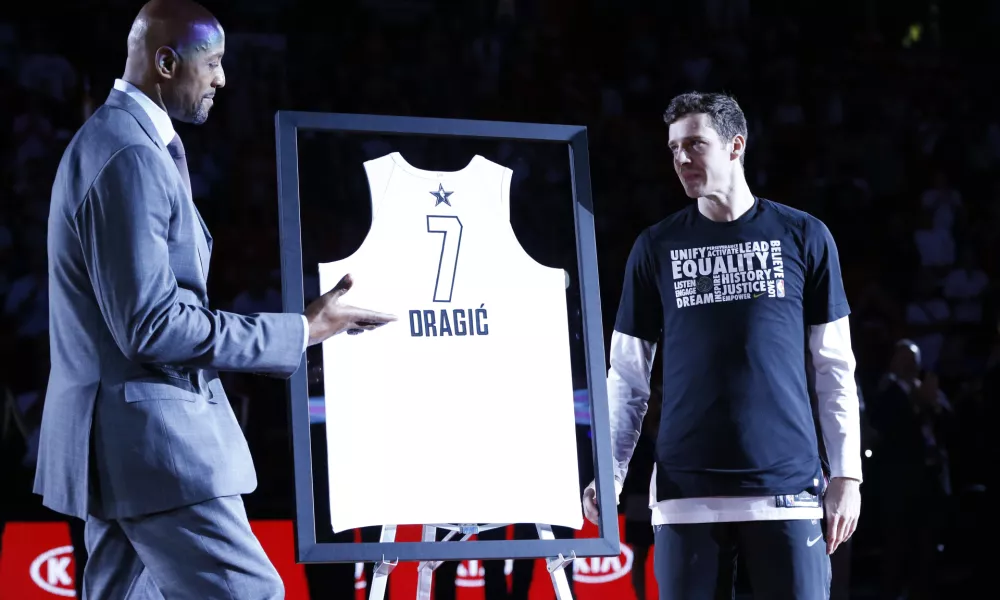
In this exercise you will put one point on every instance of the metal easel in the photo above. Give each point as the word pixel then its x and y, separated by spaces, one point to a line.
pixel 425 570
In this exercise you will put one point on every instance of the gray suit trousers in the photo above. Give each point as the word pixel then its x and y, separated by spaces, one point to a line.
pixel 204 551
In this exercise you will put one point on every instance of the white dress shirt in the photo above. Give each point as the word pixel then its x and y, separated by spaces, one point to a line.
pixel 165 129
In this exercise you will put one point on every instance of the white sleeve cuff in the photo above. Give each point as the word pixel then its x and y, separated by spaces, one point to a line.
pixel 305 333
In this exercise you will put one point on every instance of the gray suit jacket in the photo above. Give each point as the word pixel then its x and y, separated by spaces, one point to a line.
pixel 135 418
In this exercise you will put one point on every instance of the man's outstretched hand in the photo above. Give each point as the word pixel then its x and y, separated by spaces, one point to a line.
pixel 327 316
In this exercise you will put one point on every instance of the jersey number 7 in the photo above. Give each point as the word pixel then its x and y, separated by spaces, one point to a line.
pixel 451 241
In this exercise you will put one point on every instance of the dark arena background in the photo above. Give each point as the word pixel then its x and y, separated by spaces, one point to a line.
pixel 879 117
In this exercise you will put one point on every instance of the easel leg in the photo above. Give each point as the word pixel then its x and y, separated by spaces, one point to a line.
pixel 380 576
pixel 425 575
pixel 556 566
pixel 426 568
pixel 561 585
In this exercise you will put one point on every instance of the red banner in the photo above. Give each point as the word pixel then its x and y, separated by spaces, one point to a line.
pixel 36 563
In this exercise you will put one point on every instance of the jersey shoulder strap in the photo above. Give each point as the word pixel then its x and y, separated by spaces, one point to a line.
pixel 379 171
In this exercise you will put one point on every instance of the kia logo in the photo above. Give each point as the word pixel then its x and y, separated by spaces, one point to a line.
pixel 55 564
pixel 602 569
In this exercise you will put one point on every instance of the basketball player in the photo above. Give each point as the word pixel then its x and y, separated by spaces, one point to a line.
pixel 736 289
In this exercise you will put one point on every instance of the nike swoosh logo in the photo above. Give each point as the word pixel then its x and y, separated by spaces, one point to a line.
pixel 812 543
pixel 758 295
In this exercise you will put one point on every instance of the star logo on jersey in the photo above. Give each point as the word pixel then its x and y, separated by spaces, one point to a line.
pixel 441 196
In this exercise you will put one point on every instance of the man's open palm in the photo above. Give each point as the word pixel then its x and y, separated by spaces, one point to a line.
pixel 327 316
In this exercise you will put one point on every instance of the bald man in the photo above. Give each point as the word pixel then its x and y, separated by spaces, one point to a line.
pixel 138 437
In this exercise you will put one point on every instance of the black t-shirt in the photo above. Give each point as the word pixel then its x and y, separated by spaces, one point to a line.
pixel 730 304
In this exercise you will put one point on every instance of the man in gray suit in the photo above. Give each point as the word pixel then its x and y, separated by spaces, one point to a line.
pixel 138 437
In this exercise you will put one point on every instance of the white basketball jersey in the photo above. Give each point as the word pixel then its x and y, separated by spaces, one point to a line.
pixel 461 411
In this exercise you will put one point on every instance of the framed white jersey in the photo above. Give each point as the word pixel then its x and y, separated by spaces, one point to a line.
pixel 461 411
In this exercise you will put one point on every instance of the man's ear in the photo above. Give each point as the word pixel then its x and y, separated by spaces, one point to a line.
pixel 166 62
pixel 739 146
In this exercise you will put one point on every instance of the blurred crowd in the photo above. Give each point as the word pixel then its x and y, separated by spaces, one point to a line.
pixel 870 115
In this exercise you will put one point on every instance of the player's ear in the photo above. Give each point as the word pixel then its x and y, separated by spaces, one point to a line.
pixel 739 146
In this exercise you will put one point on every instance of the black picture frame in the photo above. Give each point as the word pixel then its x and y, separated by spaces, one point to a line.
pixel 288 124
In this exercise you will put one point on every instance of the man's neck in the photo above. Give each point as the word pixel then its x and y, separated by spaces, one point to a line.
pixel 144 85
pixel 727 205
